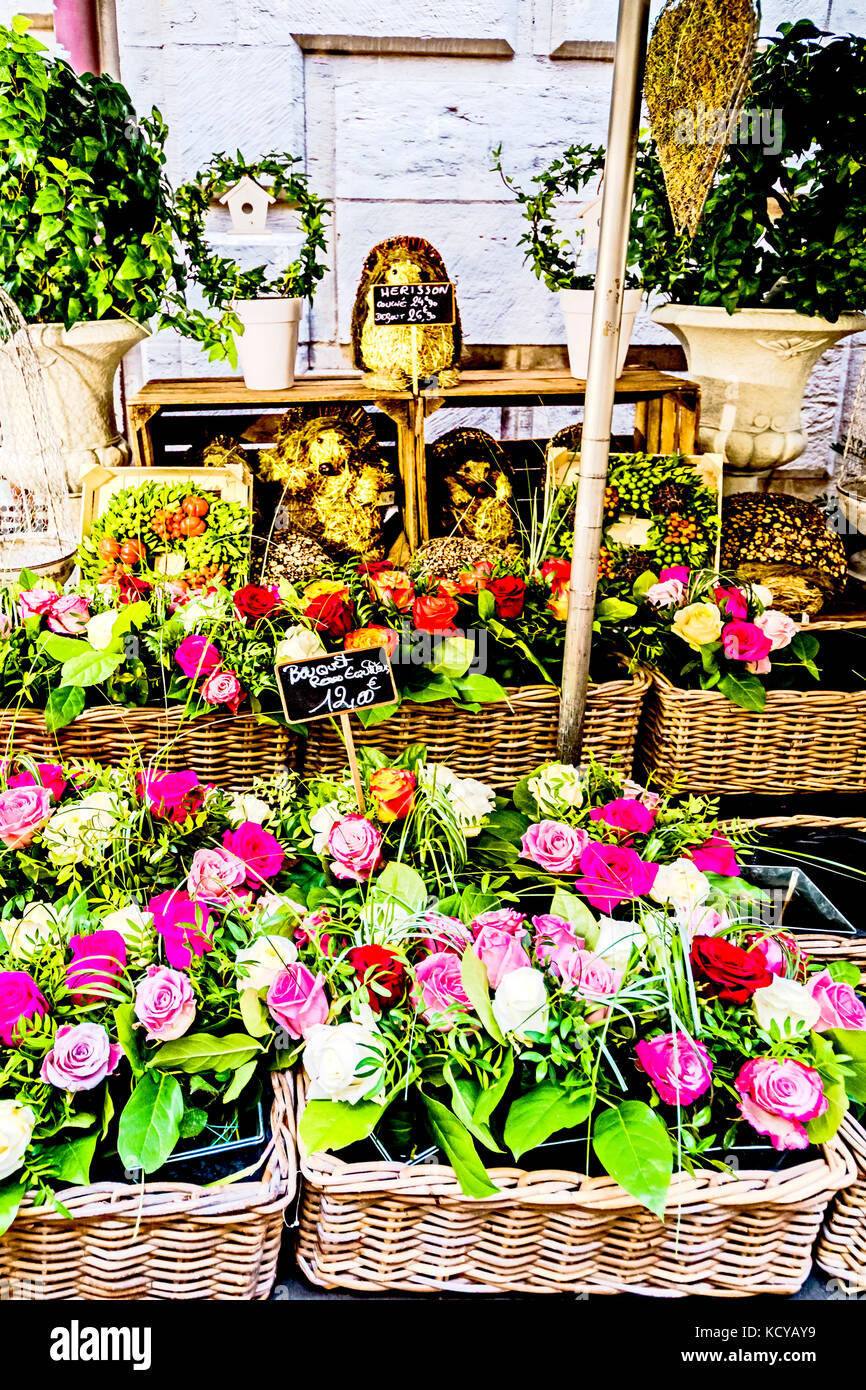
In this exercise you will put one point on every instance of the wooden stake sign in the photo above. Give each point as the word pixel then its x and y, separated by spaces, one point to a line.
pixel 327 687
pixel 429 304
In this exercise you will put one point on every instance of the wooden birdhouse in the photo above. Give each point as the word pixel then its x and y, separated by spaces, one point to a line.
pixel 248 205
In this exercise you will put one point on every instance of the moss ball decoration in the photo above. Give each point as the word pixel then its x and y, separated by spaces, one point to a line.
pixel 447 557
pixel 297 559
pixel 786 544
pixel 385 351
pixel 469 487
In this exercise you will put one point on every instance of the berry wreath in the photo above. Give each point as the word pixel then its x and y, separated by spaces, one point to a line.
pixel 220 278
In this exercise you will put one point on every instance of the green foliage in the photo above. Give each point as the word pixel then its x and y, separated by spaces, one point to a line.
pixel 538 1114
pixel 85 210
pixel 634 1148
pixel 150 1124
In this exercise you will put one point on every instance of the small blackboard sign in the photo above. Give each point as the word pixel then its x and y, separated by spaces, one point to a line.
pixel 321 687
pixel 421 305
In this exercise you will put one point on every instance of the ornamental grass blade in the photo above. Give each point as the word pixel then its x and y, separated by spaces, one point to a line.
pixel 698 66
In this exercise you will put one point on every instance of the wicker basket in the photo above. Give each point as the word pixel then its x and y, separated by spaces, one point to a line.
pixel 501 743
pixel 227 750
pixel 841 1249
pixel 160 1241
pixel 382 1226
pixel 802 742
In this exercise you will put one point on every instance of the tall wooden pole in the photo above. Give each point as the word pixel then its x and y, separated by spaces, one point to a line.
pixel 618 188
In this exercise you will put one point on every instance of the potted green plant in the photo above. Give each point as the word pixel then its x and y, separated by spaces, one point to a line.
pixel 565 263
pixel 86 246
pixel 778 265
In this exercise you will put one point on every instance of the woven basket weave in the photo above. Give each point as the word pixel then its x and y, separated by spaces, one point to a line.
pixel 841 1249
pixel 160 1241
pixel 501 743
pixel 227 750
pixel 383 1226
pixel 802 742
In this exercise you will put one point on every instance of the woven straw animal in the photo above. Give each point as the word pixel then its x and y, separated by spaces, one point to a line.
pixel 385 352
pixel 334 479
pixel 470 488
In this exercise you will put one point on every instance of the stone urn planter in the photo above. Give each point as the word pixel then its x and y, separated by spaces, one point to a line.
pixel 752 367
pixel 268 346
pixel 78 369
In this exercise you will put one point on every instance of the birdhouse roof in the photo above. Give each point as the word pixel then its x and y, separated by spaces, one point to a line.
pixel 246 188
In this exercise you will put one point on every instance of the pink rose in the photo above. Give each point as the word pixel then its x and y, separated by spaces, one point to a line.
pixel 779 1098
pixel 36 602
pixel 840 1006
pixel 554 847
pixel 50 776
pixel 223 688
pixel 196 656
pixel 590 976
pixel 667 594
pixel 731 602
pixel 355 845
pixel 612 874
pixel 438 992
pixel 625 817
pixel 446 934
pixel 171 795
pixel 214 875
pixel 678 1066
pixel 716 856
pixel 257 849
pixel 772 951
pixel 164 1004
pixel 555 942
pixel 678 572
pixel 781 951
pixel 23 811
pixel 706 921
pixel 744 642
pixel 183 923
pixel 81 1058
pixel 97 962
pixel 777 627
pixel 69 615
pixel 307 932
pixel 501 951
pixel 506 919
pixel 760 668
pixel 297 1001
pixel 20 998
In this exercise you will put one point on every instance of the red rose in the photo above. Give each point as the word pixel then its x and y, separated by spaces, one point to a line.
pixel 556 571
pixel 509 593
pixel 734 974
pixel 379 966
pixel 255 601
pixel 370 637
pixel 433 614
pixel 392 791
pixel 393 588
pixel 331 613
pixel 129 588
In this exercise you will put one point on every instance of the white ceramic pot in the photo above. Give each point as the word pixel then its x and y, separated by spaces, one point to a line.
pixel 79 365
pixel 268 346
pixel 577 312
pixel 752 367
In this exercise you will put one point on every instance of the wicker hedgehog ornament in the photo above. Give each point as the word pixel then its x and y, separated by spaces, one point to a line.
pixel 470 488
pixel 786 544
pixel 386 352
pixel 335 482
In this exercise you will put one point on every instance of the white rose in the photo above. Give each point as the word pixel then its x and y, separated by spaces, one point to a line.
pixel 246 807
pixel 520 1002
pixel 136 927
pixel 333 1055
pixel 557 788
pixel 26 934
pixel 437 776
pixel 763 594
pixel 322 823
pixel 786 1003
pixel 16 1128
pixel 266 957
pixel 100 629
pixel 298 643
pixel 203 610
pixel 472 802
pixel 81 831
pixel 615 941
pixel 680 885
pixel 275 905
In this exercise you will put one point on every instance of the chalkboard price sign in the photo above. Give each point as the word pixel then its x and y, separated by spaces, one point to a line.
pixel 321 687
pixel 418 305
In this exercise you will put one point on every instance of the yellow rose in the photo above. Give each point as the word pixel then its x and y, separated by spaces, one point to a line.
pixel 698 624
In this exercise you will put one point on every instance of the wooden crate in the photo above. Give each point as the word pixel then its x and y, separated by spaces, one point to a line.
pixel 232 484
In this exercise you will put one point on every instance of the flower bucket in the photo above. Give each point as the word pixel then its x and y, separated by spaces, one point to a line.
pixel 268 346
pixel 577 312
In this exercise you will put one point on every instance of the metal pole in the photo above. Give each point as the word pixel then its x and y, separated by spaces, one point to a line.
pixel 625 101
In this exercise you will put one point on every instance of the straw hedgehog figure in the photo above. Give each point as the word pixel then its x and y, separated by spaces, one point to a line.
pixel 333 478
pixel 385 351
pixel 470 488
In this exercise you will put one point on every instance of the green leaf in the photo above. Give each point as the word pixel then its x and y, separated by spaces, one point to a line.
pixel 371 717
pixel 546 1110
pixel 576 912
pixel 91 668
pixel 71 1159
pixel 403 885
pixel 748 693
pixel 241 1078
pixel 456 1143
pixel 844 971
pixel 439 688
pixel 205 1052
pixel 473 973
pixel 254 1014
pixel 486 604
pixel 851 1041
pixel 127 1036
pixel 62 648
pixel 633 1146
pixel 62 706
pixel 334 1124
pixel 823 1127
pixel 614 610
pixel 149 1126
pixel 464 1095
pixel 488 1100
pixel 11 1197
pixel 481 688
